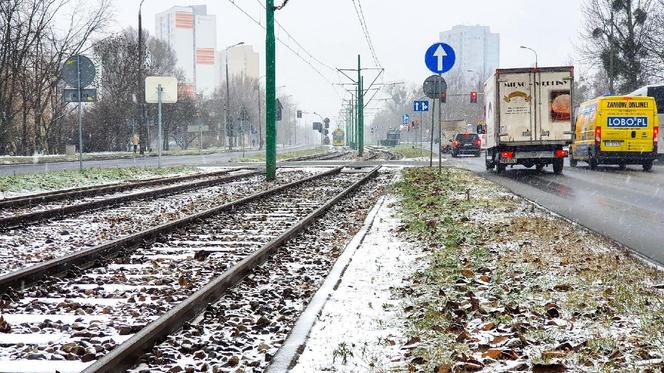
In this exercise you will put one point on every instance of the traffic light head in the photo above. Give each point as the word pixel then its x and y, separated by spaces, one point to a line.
pixel 473 97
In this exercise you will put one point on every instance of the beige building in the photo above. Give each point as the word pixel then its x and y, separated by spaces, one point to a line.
pixel 242 61
pixel 192 34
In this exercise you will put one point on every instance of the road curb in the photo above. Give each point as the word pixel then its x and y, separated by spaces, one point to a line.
pixel 290 351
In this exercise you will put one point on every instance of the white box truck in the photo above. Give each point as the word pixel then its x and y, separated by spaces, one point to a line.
pixel 528 113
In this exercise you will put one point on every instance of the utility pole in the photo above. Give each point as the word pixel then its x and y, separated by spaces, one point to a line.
pixel 141 85
pixel 270 94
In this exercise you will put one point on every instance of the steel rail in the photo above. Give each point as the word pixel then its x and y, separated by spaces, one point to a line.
pixel 94 190
pixel 318 157
pixel 124 356
pixel 59 212
pixel 88 257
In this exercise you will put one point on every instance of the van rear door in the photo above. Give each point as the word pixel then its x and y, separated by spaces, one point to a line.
pixel 627 124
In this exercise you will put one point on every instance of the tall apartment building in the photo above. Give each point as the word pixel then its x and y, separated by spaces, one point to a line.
pixel 476 47
pixel 192 34
pixel 242 61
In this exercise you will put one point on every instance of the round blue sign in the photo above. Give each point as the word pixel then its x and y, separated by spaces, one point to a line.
pixel 440 58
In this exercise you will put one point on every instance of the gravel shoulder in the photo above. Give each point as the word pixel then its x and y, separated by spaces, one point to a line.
pixel 510 286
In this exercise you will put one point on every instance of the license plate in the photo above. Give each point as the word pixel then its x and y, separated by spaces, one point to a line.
pixel 468 145
pixel 612 143
pixel 507 160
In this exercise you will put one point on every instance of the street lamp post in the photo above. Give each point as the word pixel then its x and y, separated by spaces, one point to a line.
pixel 141 86
pixel 532 50
pixel 228 95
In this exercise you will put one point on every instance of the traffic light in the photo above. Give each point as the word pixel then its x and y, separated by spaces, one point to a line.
pixel 443 97
pixel 299 114
pixel 473 97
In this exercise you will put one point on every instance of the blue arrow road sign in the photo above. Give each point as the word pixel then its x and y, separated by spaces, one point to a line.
pixel 440 58
pixel 419 106
pixel 406 119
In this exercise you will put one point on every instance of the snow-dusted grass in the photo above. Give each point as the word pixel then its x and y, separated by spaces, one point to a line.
pixel 412 151
pixel 511 286
pixel 74 178
pixel 287 155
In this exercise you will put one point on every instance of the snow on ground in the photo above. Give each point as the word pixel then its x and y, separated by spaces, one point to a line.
pixel 365 301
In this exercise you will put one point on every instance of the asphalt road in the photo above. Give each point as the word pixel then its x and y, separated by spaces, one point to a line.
pixel 627 206
pixel 218 159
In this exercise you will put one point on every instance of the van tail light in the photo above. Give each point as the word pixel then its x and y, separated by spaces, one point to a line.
pixel 456 143
pixel 598 135
pixel 655 134
pixel 508 155
pixel 478 142
pixel 560 153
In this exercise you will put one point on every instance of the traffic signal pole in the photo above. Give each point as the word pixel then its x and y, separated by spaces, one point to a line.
pixel 270 95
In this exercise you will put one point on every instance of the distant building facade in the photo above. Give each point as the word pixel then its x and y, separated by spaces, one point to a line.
pixel 192 34
pixel 476 47
pixel 242 61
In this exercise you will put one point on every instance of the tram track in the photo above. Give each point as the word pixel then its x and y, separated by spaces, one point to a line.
pixel 11 219
pixel 97 190
pixel 36 243
pixel 152 272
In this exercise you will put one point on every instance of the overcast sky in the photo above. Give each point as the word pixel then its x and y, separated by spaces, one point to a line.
pixel 400 30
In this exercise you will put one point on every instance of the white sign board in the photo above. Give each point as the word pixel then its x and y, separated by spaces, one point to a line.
pixel 169 86
pixel 196 128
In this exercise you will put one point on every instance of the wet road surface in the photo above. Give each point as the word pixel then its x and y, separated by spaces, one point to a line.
pixel 625 205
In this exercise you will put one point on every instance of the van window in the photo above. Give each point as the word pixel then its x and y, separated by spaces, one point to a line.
pixel 658 94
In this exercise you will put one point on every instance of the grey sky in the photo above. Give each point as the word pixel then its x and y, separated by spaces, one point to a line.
pixel 401 31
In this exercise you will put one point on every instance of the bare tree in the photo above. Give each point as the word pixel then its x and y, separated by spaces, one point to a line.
pixel 616 37
pixel 32 50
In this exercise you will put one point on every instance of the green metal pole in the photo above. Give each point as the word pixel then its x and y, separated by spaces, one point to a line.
pixel 352 122
pixel 349 117
pixel 270 95
pixel 360 125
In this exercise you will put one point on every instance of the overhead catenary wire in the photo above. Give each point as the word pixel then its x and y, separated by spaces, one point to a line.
pixel 363 24
pixel 297 42
pixel 296 53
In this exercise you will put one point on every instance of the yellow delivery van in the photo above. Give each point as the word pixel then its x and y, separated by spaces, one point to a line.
pixel 618 130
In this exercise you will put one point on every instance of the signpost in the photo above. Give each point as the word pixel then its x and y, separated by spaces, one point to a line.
pixel 79 71
pixel 160 90
pixel 440 58
pixel 420 106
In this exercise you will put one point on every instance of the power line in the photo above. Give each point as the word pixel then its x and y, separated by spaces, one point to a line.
pixel 287 46
pixel 298 43
pixel 365 30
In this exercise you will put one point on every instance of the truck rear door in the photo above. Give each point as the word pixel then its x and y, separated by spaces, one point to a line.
pixel 515 97
pixel 552 90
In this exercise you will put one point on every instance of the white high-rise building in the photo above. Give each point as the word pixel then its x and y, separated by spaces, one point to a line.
pixel 192 34
pixel 242 61
pixel 477 49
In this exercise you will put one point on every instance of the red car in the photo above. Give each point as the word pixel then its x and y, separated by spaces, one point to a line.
pixel 466 143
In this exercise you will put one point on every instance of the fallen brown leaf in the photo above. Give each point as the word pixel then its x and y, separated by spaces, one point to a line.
pixel 493 353
pixel 549 368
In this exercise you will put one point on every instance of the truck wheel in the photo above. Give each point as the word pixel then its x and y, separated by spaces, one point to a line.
pixel 500 168
pixel 593 163
pixel 647 165
pixel 622 166
pixel 572 162
pixel 558 165
pixel 489 165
